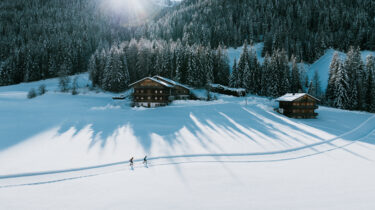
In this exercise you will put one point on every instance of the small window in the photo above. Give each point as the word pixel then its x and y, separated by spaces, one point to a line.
pixel 161 98
pixel 161 91
pixel 142 98
pixel 141 91
pixel 156 98
pixel 156 91
pixel 149 97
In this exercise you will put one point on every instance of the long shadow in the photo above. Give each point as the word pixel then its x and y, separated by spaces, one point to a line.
pixel 107 117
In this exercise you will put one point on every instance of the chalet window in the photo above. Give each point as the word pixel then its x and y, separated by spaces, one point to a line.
pixel 149 97
pixel 141 98
pixel 161 91
pixel 161 98
pixel 141 91
pixel 137 97
pixel 156 91
pixel 156 98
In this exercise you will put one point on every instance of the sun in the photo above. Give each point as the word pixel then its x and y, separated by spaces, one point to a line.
pixel 133 11
pixel 125 6
pixel 132 5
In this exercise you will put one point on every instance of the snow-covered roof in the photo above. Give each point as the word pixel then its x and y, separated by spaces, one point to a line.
pixel 153 79
pixel 228 88
pixel 171 82
pixel 293 96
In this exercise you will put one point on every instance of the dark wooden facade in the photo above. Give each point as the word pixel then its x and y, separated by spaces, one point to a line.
pixel 157 91
pixel 149 92
pixel 298 105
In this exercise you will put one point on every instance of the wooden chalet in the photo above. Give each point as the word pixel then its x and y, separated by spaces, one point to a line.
pixel 179 91
pixel 298 105
pixel 157 91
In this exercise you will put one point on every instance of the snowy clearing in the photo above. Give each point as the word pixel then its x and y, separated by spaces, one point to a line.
pixel 59 151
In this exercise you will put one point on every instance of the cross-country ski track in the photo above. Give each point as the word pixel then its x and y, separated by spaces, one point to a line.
pixel 364 130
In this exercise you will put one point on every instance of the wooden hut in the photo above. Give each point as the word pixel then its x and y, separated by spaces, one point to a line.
pixel 150 92
pixel 298 105
pixel 157 91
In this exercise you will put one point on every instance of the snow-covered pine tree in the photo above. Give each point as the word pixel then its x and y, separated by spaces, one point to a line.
pixel 209 67
pixel 265 80
pixel 315 87
pixel 246 80
pixel 370 92
pixel 241 64
pixel 64 80
pixel 283 72
pixel 296 78
pixel 333 68
pixel 369 85
pixel 253 83
pixel 180 56
pixel 354 67
pixel 233 75
pixel 273 76
pixel 131 55
pixel 116 76
pixel 191 79
pixel 221 66
pixel 342 85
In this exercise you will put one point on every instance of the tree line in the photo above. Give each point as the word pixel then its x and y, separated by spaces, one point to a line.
pixel 276 76
pixel 351 83
pixel 114 68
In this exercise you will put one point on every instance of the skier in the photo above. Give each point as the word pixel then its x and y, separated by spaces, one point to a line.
pixel 131 161
pixel 145 160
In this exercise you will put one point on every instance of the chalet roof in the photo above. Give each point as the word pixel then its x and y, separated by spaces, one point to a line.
pixel 228 88
pixel 294 96
pixel 153 79
pixel 171 81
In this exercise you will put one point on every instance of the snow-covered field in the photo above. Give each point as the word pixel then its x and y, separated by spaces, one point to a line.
pixel 60 151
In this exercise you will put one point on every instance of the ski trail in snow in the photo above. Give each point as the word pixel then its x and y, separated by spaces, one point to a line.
pixel 367 130
pixel 187 162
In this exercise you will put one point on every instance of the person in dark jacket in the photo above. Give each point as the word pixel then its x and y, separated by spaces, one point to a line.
pixel 145 160
pixel 131 161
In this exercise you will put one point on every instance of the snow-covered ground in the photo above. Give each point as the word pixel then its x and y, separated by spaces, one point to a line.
pixel 60 151
pixel 321 65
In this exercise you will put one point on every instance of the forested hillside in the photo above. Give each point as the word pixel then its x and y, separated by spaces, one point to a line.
pixel 41 39
pixel 302 28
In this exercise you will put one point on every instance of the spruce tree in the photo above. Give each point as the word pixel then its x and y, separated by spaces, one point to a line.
pixel 241 64
pixel 342 85
pixel 333 69
pixel 296 79
pixel 354 68
pixel 233 75
pixel 370 84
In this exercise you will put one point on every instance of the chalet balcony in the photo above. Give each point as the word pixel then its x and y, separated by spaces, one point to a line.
pixel 303 114
pixel 302 107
